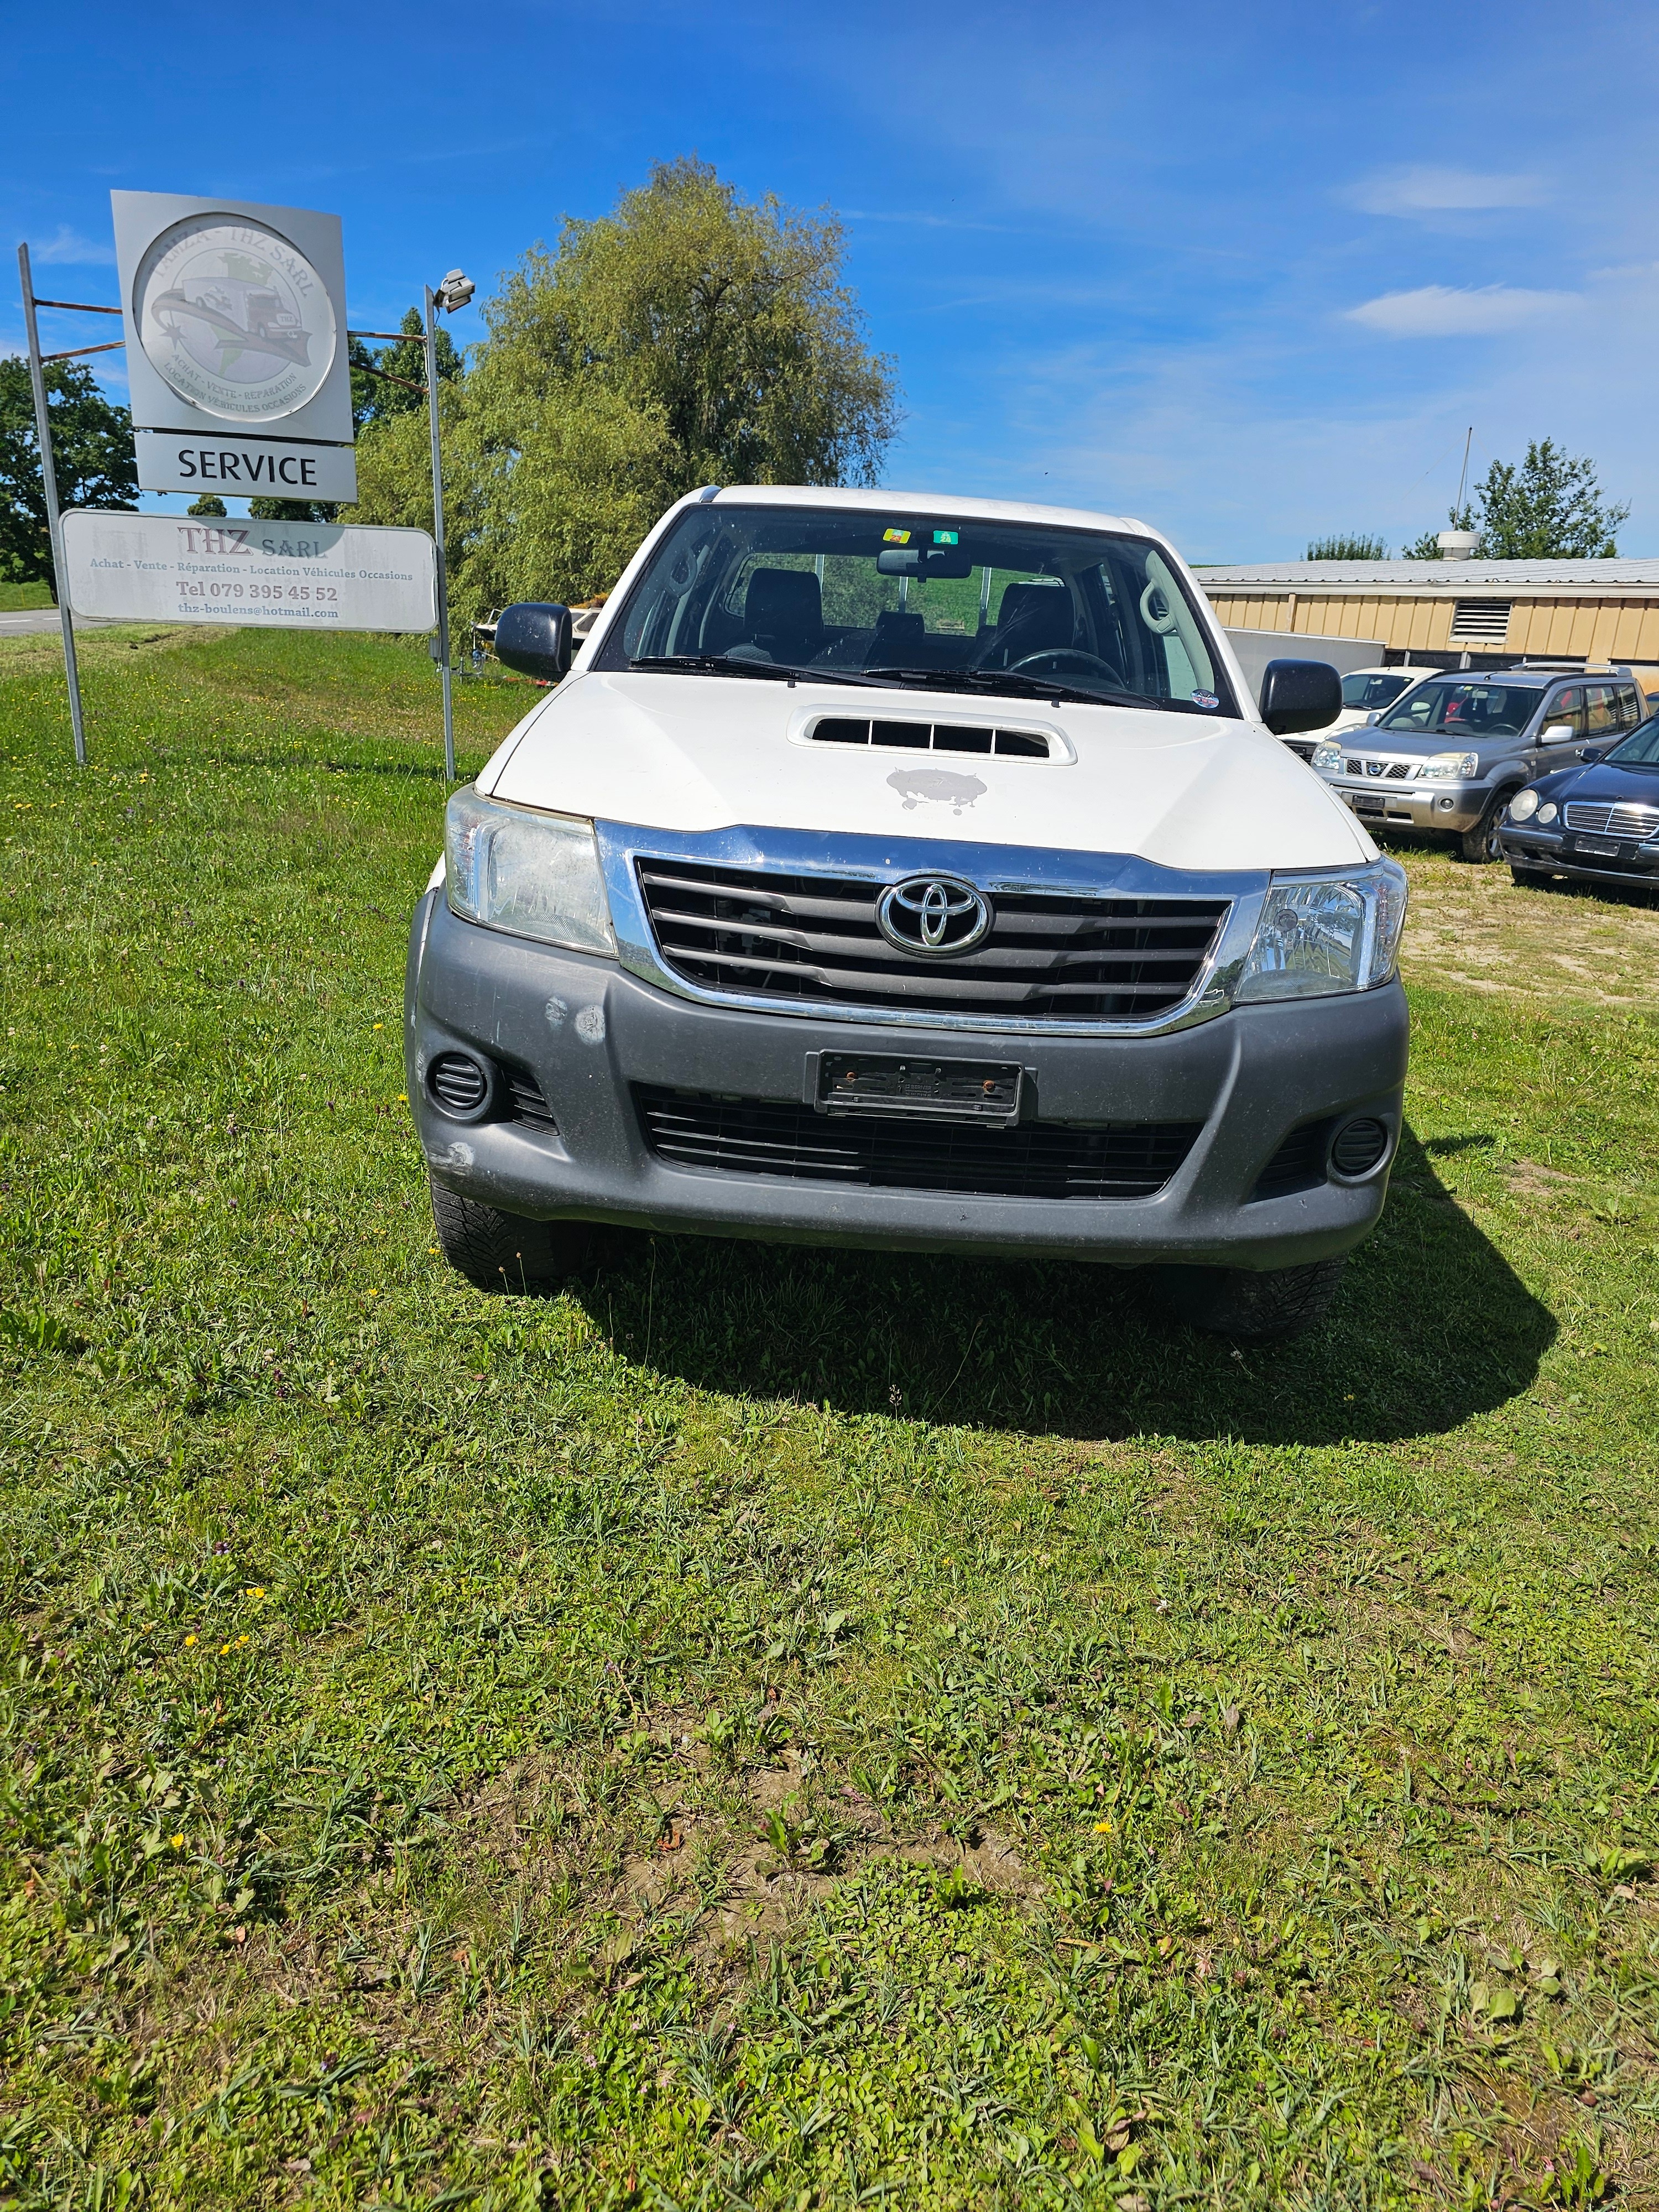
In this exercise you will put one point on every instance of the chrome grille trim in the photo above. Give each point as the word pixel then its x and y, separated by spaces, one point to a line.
pixel 843 863
pixel 1621 819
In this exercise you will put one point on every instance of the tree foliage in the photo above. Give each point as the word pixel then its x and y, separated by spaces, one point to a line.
pixel 688 337
pixel 1348 545
pixel 92 453
pixel 1547 508
pixel 373 398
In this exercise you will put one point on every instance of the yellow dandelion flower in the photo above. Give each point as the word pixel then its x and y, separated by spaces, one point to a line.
pixel 257 1593
pixel 241 1639
pixel 1102 1827
pixel 178 1843
pixel 224 1650
pixel 189 1640
pixel 379 1025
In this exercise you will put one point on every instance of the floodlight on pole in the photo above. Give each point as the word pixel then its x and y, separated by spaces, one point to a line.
pixel 454 291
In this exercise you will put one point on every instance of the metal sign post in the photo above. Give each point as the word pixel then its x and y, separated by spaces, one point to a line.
pixel 49 479
pixel 438 533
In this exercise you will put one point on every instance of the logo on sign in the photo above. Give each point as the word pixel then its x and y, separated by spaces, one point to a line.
pixel 235 318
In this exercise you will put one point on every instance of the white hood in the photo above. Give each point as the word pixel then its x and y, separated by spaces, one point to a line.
pixel 690 753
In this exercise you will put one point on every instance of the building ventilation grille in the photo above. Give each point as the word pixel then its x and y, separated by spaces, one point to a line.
pixel 1481 622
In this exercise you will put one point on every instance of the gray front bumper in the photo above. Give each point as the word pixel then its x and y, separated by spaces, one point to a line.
pixel 1406 806
pixel 587 1030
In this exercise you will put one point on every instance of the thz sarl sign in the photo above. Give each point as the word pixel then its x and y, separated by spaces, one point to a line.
pixel 236 347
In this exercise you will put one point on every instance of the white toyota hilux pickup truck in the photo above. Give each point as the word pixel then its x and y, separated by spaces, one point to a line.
pixel 914 873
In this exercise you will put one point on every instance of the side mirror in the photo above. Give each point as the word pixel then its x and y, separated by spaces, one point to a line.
pixel 1592 753
pixel 1558 733
pixel 533 637
pixel 1299 694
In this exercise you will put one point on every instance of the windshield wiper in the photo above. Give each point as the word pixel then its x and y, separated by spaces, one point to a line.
pixel 716 664
pixel 1015 686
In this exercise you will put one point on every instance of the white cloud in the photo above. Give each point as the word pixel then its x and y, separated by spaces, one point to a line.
pixel 1422 190
pixel 68 246
pixel 1441 311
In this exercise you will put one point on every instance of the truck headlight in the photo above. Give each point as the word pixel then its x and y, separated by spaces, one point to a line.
pixel 1326 934
pixel 1523 805
pixel 1328 758
pixel 1449 767
pixel 537 875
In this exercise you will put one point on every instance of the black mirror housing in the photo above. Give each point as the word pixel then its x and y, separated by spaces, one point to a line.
pixel 1592 753
pixel 532 637
pixel 924 561
pixel 1299 694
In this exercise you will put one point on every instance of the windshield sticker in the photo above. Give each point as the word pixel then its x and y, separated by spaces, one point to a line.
pixel 896 538
pixel 947 538
pixel 1205 699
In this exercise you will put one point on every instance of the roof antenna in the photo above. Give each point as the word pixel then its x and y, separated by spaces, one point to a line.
pixel 1464 478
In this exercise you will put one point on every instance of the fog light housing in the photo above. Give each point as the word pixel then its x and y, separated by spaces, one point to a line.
pixel 1359 1146
pixel 460 1084
pixel 1445 804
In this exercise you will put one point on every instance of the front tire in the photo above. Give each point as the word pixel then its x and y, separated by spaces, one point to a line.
pixel 502 1252
pixel 1270 1308
pixel 1480 844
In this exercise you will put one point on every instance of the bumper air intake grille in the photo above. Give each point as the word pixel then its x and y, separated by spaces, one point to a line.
pixel 1624 820
pixel 930 736
pixel 525 1102
pixel 1034 1159
pixel 1298 1164
pixel 457 1083
pixel 1360 1145
pixel 1051 957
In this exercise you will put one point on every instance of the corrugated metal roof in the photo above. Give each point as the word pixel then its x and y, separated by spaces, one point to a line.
pixel 1436 576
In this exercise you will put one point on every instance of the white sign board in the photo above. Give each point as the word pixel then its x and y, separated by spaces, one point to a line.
pixel 236 346
pixel 268 575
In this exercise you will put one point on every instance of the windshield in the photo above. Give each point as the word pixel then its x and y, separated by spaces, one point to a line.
pixel 842 590
pixel 1640 749
pixel 1371 692
pixel 1465 710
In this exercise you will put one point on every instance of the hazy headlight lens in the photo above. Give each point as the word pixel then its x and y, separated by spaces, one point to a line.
pixel 1319 938
pixel 1450 768
pixel 1523 805
pixel 1547 812
pixel 1326 758
pixel 537 875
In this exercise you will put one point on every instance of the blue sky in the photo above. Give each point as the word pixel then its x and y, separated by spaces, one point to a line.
pixel 1248 273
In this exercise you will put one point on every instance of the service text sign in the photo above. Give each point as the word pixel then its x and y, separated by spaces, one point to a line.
pixel 236 345
pixel 270 575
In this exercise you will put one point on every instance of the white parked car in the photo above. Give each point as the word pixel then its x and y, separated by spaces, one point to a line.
pixel 1367 692
pixel 916 873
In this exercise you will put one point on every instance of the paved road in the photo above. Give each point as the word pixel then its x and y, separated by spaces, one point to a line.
pixel 24 622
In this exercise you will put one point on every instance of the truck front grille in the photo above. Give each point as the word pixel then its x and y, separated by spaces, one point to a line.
pixel 1050 956
pixel 1033 1159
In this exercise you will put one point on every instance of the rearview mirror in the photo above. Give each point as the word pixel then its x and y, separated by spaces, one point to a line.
pixel 923 561
pixel 1299 694
pixel 533 638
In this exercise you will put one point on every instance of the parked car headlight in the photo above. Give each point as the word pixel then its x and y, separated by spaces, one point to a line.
pixel 1523 805
pixel 537 875
pixel 1327 758
pixel 1547 812
pixel 1327 934
pixel 1450 768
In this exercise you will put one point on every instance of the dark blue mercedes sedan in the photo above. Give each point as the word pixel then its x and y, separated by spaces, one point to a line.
pixel 1597 821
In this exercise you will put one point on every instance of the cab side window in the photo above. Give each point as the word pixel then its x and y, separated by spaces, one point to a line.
pixel 1627 706
pixel 1566 707
pixel 1599 715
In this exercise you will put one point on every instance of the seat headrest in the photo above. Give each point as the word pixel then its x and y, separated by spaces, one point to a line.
pixel 783 597
pixel 899 621
pixel 1042 613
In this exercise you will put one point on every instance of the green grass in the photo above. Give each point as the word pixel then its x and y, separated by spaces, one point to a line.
pixel 767 1728
pixel 16 598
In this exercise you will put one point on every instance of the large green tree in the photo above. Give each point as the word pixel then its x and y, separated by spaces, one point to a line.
pixel 92 453
pixel 690 337
pixel 1547 508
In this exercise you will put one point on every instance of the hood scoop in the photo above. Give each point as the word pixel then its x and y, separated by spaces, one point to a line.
pixel 919 737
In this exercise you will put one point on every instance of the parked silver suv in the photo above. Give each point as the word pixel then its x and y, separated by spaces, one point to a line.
pixel 1454 752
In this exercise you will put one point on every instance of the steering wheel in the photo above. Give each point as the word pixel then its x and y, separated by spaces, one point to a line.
pixel 1091 664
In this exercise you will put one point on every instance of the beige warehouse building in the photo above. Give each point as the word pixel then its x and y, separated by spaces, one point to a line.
pixel 1471 614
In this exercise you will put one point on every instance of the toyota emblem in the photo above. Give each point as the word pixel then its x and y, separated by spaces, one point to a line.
pixel 938 914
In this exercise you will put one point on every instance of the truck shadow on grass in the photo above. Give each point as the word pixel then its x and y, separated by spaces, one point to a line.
pixel 1431 1325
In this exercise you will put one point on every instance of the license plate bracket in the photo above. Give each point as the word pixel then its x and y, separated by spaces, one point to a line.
pixel 915 1086
pixel 1607 848
pixel 1367 802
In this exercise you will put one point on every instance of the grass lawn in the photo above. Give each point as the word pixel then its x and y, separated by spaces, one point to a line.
pixel 776 1728
pixel 18 598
